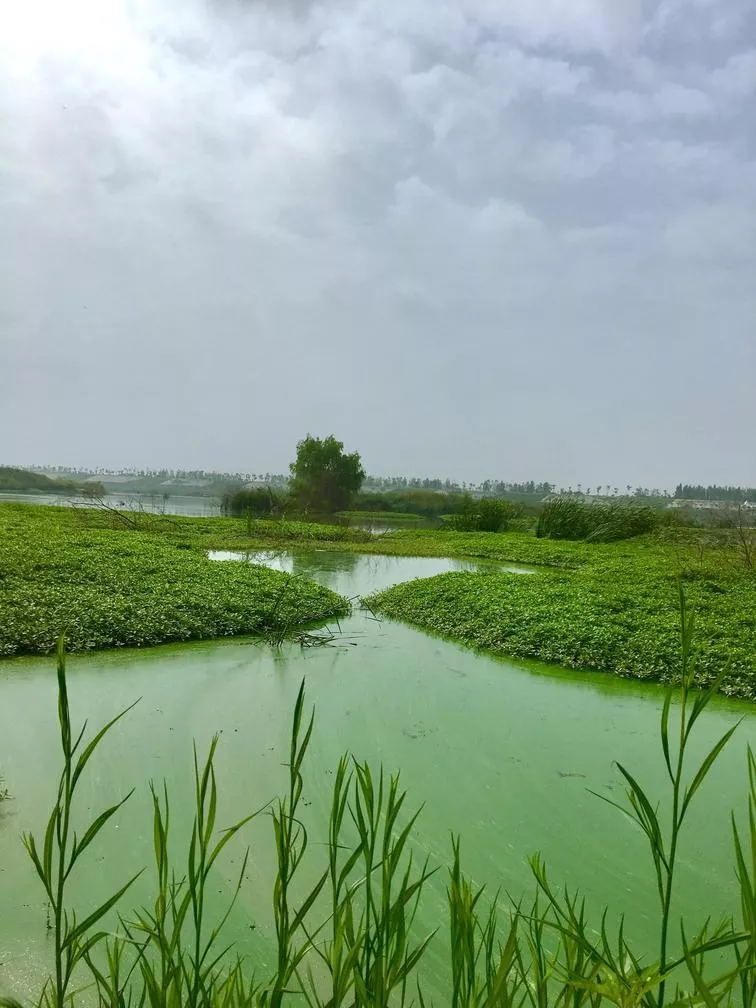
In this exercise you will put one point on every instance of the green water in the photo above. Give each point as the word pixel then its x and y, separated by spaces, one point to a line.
pixel 502 753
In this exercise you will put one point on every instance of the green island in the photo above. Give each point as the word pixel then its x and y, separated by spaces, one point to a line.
pixel 112 580
pixel 104 583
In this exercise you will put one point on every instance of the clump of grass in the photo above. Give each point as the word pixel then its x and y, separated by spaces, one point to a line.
pixel 485 515
pixel 404 516
pixel 615 616
pixel 606 521
pixel 117 588
pixel 350 938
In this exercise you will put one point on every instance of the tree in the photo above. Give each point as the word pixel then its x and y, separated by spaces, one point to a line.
pixel 323 477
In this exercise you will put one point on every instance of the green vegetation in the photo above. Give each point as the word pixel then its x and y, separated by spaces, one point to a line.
pixel 324 478
pixel 606 606
pixel 696 491
pixel 419 502
pixel 615 614
pixel 381 515
pixel 19 481
pixel 251 503
pixel 121 586
pixel 574 518
pixel 345 902
pixel 484 515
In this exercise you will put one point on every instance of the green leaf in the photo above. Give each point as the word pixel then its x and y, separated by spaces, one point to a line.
pixel 704 769
pixel 80 846
pixel 73 936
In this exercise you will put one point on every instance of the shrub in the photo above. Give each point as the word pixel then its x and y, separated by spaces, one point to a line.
pixel 257 502
pixel 574 518
pixel 486 515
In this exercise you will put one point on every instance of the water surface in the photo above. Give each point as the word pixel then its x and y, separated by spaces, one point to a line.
pixel 503 753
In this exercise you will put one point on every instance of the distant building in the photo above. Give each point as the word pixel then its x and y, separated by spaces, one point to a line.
pixel 709 505
pixel 584 498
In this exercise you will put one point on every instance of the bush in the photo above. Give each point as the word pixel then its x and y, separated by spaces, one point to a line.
pixel 243 503
pixel 573 518
pixel 486 515
pixel 426 503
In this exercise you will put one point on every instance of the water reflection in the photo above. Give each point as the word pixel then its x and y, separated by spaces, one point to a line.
pixel 359 574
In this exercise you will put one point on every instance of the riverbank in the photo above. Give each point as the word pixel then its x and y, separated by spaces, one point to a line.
pixel 610 618
pixel 608 607
pixel 126 587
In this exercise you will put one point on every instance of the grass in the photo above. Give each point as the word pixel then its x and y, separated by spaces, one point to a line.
pixel 344 904
pixel 601 521
pixel 115 587
pixel 606 606
pixel 617 614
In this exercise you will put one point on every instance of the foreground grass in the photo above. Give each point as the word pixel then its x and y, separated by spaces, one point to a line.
pixel 107 587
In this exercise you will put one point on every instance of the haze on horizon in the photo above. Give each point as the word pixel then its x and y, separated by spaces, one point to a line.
pixel 478 239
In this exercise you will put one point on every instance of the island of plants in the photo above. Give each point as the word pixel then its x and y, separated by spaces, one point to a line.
pixel 108 578
pixel 125 585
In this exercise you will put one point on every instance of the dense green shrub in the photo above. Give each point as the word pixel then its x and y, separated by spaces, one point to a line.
pixel 603 521
pixel 485 515
pixel 426 503
pixel 256 502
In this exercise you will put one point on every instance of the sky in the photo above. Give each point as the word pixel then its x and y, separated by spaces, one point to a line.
pixel 472 239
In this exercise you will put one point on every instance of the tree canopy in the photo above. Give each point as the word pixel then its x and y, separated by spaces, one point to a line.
pixel 324 478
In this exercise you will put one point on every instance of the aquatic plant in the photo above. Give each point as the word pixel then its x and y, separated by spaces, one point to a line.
pixel 485 515
pixel 251 503
pixel 601 521
pixel 349 938
pixel 107 588
pixel 615 616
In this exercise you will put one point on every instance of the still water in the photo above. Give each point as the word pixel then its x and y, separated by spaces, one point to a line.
pixel 503 753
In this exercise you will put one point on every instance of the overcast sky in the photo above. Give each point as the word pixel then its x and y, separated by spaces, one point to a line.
pixel 471 238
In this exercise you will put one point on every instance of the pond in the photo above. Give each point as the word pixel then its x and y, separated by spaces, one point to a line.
pixel 504 753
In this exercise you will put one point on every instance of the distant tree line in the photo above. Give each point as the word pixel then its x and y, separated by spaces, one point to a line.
pixel 694 491
pixel 378 485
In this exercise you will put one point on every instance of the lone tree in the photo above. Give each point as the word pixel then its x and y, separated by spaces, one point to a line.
pixel 323 477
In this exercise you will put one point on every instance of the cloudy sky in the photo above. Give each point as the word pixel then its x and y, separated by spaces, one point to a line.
pixel 472 238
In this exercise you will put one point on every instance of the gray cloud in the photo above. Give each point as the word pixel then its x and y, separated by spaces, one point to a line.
pixel 476 238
